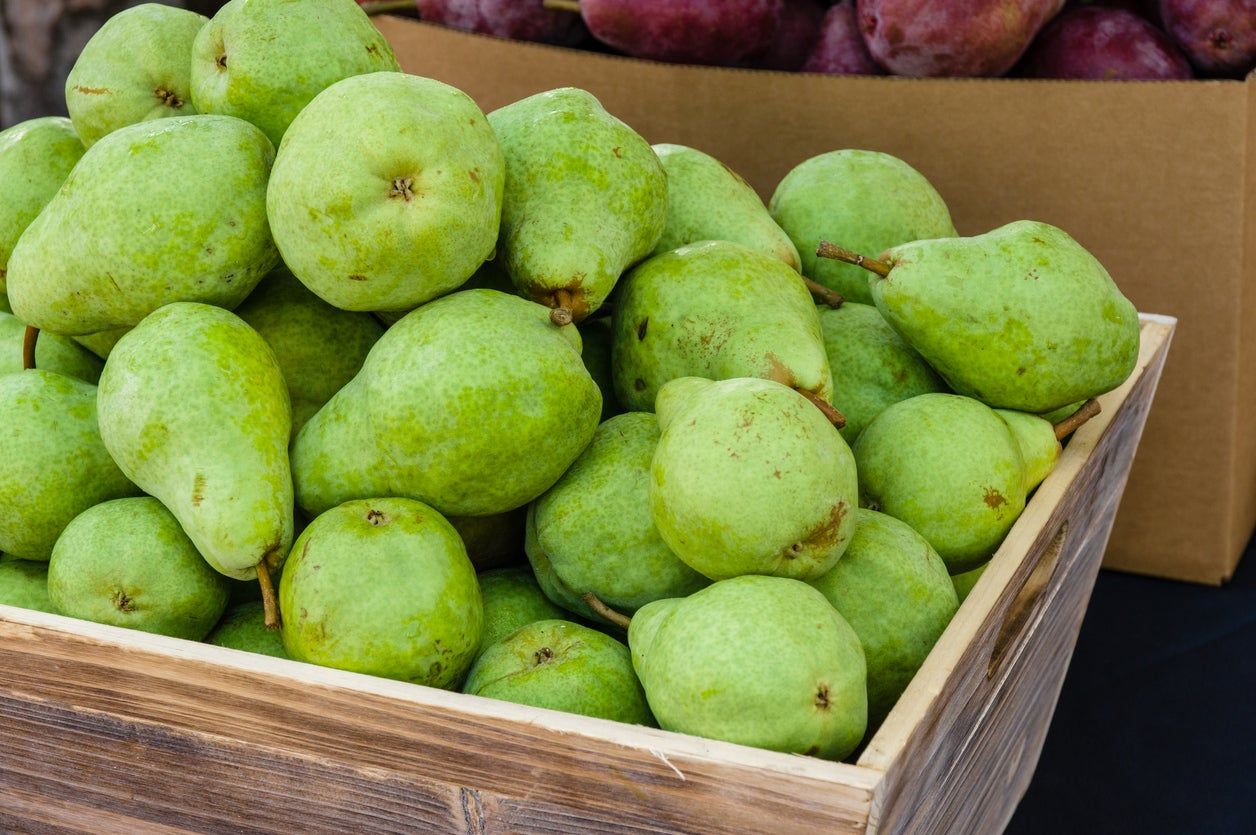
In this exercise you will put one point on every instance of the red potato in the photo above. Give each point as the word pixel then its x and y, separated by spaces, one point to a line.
pixel 521 20
pixel 955 38
pixel 713 32
pixel 1218 36
pixel 841 49
pixel 1104 43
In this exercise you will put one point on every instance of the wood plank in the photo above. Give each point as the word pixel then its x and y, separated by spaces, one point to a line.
pixel 963 726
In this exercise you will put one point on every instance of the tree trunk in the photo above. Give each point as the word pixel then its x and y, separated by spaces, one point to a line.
pixel 39 42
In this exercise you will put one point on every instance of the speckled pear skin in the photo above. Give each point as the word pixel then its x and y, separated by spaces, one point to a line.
pixel 384 587
pixel 264 60
pixel 1036 438
pixel 1019 318
pixel 137 67
pixel 35 158
pixel 53 464
pixel 512 600
pixel 950 468
pixel 52 352
pixel 406 217
pixel 708 201
pixel 194 409
pixel 593 531
pixel 596 336
pixel 123 237
pixel 560 665
pixel 319 348
pixel 492 541
pixel 475 404
pixel 715 309
pixel 243 627
pixel 586 197
pixel 101 344
pixel 750 478
pixel 965 582
pixel 128 563
pixel 893 590
pixel 863 200
pixel 762 661
pixel 24 584
pixel 872 366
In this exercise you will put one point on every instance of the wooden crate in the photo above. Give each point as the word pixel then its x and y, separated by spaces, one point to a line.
pixel 109 730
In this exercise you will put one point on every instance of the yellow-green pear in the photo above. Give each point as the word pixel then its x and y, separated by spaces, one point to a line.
pixel 137 67
pixel 125 235
pixel 194 409
pixel 52 352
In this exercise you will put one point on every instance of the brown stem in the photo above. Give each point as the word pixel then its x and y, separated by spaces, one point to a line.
pixel 29 340
pixel 270 604
pixel 1070 424
pixel 838 253
pixel 562 5
pixel 822 294
pixel 595 603
pixel 568 307
pixel 835 417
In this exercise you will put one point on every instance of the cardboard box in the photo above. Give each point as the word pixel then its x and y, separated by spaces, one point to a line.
pixel 1158 179
pixel 109 729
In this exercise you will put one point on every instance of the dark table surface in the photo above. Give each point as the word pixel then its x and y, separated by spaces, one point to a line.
pixel 1155 731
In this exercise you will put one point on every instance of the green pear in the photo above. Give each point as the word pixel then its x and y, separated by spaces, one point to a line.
pixel 561 666
pixel 123 237
pixel 750 478
pixel 762 661
pixel 475 403
pixel 194 409
pixel 265 60
pixel 53 464
pixel 965 582
pixel 384 587
pixel 1057 415
pixel 715 309
pixel 1038 445
pixel 35 158
pixel 243 627
pixel 865 200
pixel 950 468
pixel 52 352
pixel 128 563
pixel 872 366
pixel 492 541
pixel 586 197
pixel 596 336
pixel 1019 318
pixel 708 201
pixel 24 584
pixel 4 304
pixel 512 600
pixel 319 348
pixel 428 180
pixel 593 531
pixel 135 68
pixel 101 344
pixel 893 590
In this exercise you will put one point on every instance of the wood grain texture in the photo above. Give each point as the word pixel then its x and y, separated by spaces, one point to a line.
pixel 108 730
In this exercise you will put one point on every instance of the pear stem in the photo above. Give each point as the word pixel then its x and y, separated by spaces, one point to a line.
pixel 595 603
pixel 835 417
pixel 568 307
pixel 29 340
pixel 562 5
pixel 1070 424
pixel 270 604
pixel 823 294
pixel 838 253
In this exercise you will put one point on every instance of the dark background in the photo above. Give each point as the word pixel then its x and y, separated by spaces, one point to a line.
pixel 1155 731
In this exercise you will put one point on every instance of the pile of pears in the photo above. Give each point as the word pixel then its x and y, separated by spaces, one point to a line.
pixel 312 358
